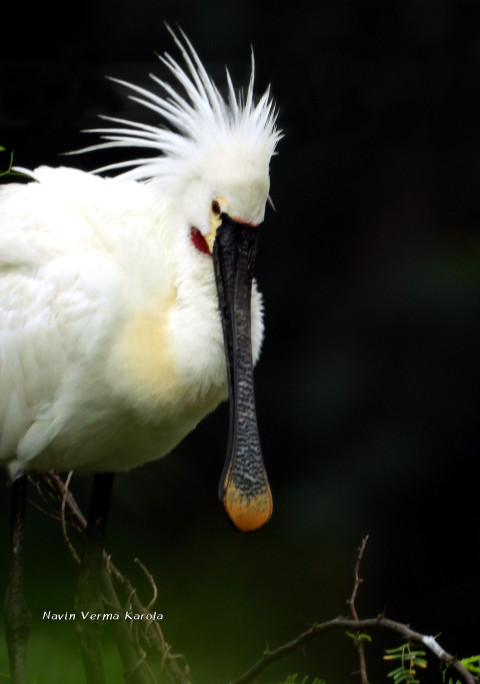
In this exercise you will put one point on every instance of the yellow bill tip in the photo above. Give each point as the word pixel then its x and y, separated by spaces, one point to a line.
pixel 248 512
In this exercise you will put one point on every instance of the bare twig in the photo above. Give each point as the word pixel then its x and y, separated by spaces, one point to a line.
pixel 359 643
pixel 75 555
pixel 358 625
pixel 133 657
pixel 46 509
pixel 379 622
pixel 151 581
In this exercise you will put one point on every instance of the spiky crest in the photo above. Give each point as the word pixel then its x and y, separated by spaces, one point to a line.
pixel 198 120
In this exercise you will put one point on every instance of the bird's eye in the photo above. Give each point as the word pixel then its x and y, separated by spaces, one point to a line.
pixel 216 208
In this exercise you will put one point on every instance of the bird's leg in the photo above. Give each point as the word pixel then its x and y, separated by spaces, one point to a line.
pixel 17 615
pixel 89 599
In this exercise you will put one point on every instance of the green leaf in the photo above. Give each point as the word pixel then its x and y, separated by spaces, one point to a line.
pixel 5 173
pixel 360 636
pixel 472 664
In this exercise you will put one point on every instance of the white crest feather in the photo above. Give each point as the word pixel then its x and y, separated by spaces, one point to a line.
pixel 197 120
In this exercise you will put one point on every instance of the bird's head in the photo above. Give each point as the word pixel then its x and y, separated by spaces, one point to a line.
pixel 234 183
pixel 214 157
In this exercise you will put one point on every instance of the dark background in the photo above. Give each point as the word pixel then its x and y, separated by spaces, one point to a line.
pixel 367 389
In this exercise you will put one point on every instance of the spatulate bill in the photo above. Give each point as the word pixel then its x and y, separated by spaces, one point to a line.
pixel 244 488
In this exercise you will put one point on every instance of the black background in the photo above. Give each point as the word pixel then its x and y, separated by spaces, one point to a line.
pixel 367 389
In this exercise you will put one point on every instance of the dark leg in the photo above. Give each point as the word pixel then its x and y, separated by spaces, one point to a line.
pixel 89 600
pixel 17 615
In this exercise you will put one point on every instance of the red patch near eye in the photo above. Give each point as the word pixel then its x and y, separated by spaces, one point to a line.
pixel 198 240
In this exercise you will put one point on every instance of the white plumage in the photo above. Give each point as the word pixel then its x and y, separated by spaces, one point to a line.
pixel 127 313
pixel 111 342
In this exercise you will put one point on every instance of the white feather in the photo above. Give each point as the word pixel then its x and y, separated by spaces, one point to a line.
pixel 199 123
pixel 111 346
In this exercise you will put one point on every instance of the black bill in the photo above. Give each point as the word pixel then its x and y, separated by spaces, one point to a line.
pixel 244 488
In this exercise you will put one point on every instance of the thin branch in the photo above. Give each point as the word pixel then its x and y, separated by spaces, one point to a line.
pixel 343 623
pixel 72 550
pixel 359 643
pixel 48 511
pixel 151 581
pixel 133 657
pixel 155 637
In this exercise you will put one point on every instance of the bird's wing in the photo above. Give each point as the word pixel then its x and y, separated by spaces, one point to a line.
pixel 62 295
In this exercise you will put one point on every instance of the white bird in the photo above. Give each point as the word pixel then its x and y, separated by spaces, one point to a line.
pixel 125 302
